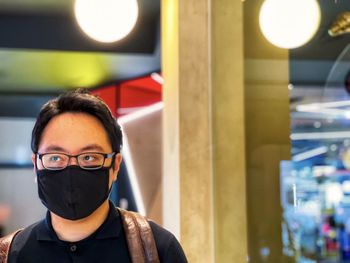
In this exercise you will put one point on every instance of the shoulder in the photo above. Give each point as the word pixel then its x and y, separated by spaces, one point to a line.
pixel 169 249
pixel 23 239
pixel 27 233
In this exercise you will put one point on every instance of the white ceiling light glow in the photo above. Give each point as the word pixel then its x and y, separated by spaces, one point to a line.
pixel 289 23
pixel 106 20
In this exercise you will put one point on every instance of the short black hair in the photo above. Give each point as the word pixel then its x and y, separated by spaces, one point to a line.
pixel 78 101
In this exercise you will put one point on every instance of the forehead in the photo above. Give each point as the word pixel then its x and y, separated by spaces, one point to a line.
pixel 73 132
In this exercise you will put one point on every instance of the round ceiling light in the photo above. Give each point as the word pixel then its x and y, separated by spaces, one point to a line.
pixel 106 20
pixel 289 23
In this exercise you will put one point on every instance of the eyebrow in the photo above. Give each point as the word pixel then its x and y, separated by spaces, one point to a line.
pixel 90 147
pixel 54 148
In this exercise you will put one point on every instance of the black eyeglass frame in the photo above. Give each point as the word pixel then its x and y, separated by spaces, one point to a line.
pixel 105 156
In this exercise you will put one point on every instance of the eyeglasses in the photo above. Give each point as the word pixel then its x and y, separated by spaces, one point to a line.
pixel 87 161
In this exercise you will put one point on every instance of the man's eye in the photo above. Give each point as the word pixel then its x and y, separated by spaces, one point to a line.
pixel 88 158
pixel 55 158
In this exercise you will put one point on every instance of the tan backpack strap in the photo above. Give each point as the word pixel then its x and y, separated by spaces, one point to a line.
pixel 149 245
pixel 139 236
pixel 5 244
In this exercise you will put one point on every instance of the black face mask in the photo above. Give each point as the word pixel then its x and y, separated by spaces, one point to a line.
pixel 73 193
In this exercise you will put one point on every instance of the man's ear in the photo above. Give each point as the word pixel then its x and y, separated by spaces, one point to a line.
pixel 117 161
pixel 34 161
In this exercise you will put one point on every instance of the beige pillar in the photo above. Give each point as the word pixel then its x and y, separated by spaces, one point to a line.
pixel 228 131
pixel 203 128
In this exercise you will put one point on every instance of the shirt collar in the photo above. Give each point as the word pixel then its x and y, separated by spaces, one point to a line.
pixel 110 228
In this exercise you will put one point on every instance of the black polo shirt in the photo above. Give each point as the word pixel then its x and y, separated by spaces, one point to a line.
pixel 39 243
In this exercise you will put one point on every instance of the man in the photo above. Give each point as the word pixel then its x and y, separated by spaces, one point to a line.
pixel 76 155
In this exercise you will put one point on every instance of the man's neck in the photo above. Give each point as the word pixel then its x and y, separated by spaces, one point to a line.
pixel 76 230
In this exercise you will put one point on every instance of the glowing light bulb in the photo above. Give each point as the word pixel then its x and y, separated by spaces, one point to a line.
pixel 289 23
pixel 106 20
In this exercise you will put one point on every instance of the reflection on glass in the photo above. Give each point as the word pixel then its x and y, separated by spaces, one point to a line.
pixel 315 184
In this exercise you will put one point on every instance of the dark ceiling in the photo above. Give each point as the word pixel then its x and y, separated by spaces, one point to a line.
pixel 42 50
pixel 310 65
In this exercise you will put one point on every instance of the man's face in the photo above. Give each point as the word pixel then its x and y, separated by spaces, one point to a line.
pixel 75 133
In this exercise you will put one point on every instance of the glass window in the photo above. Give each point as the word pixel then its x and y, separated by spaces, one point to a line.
pixel 298 139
